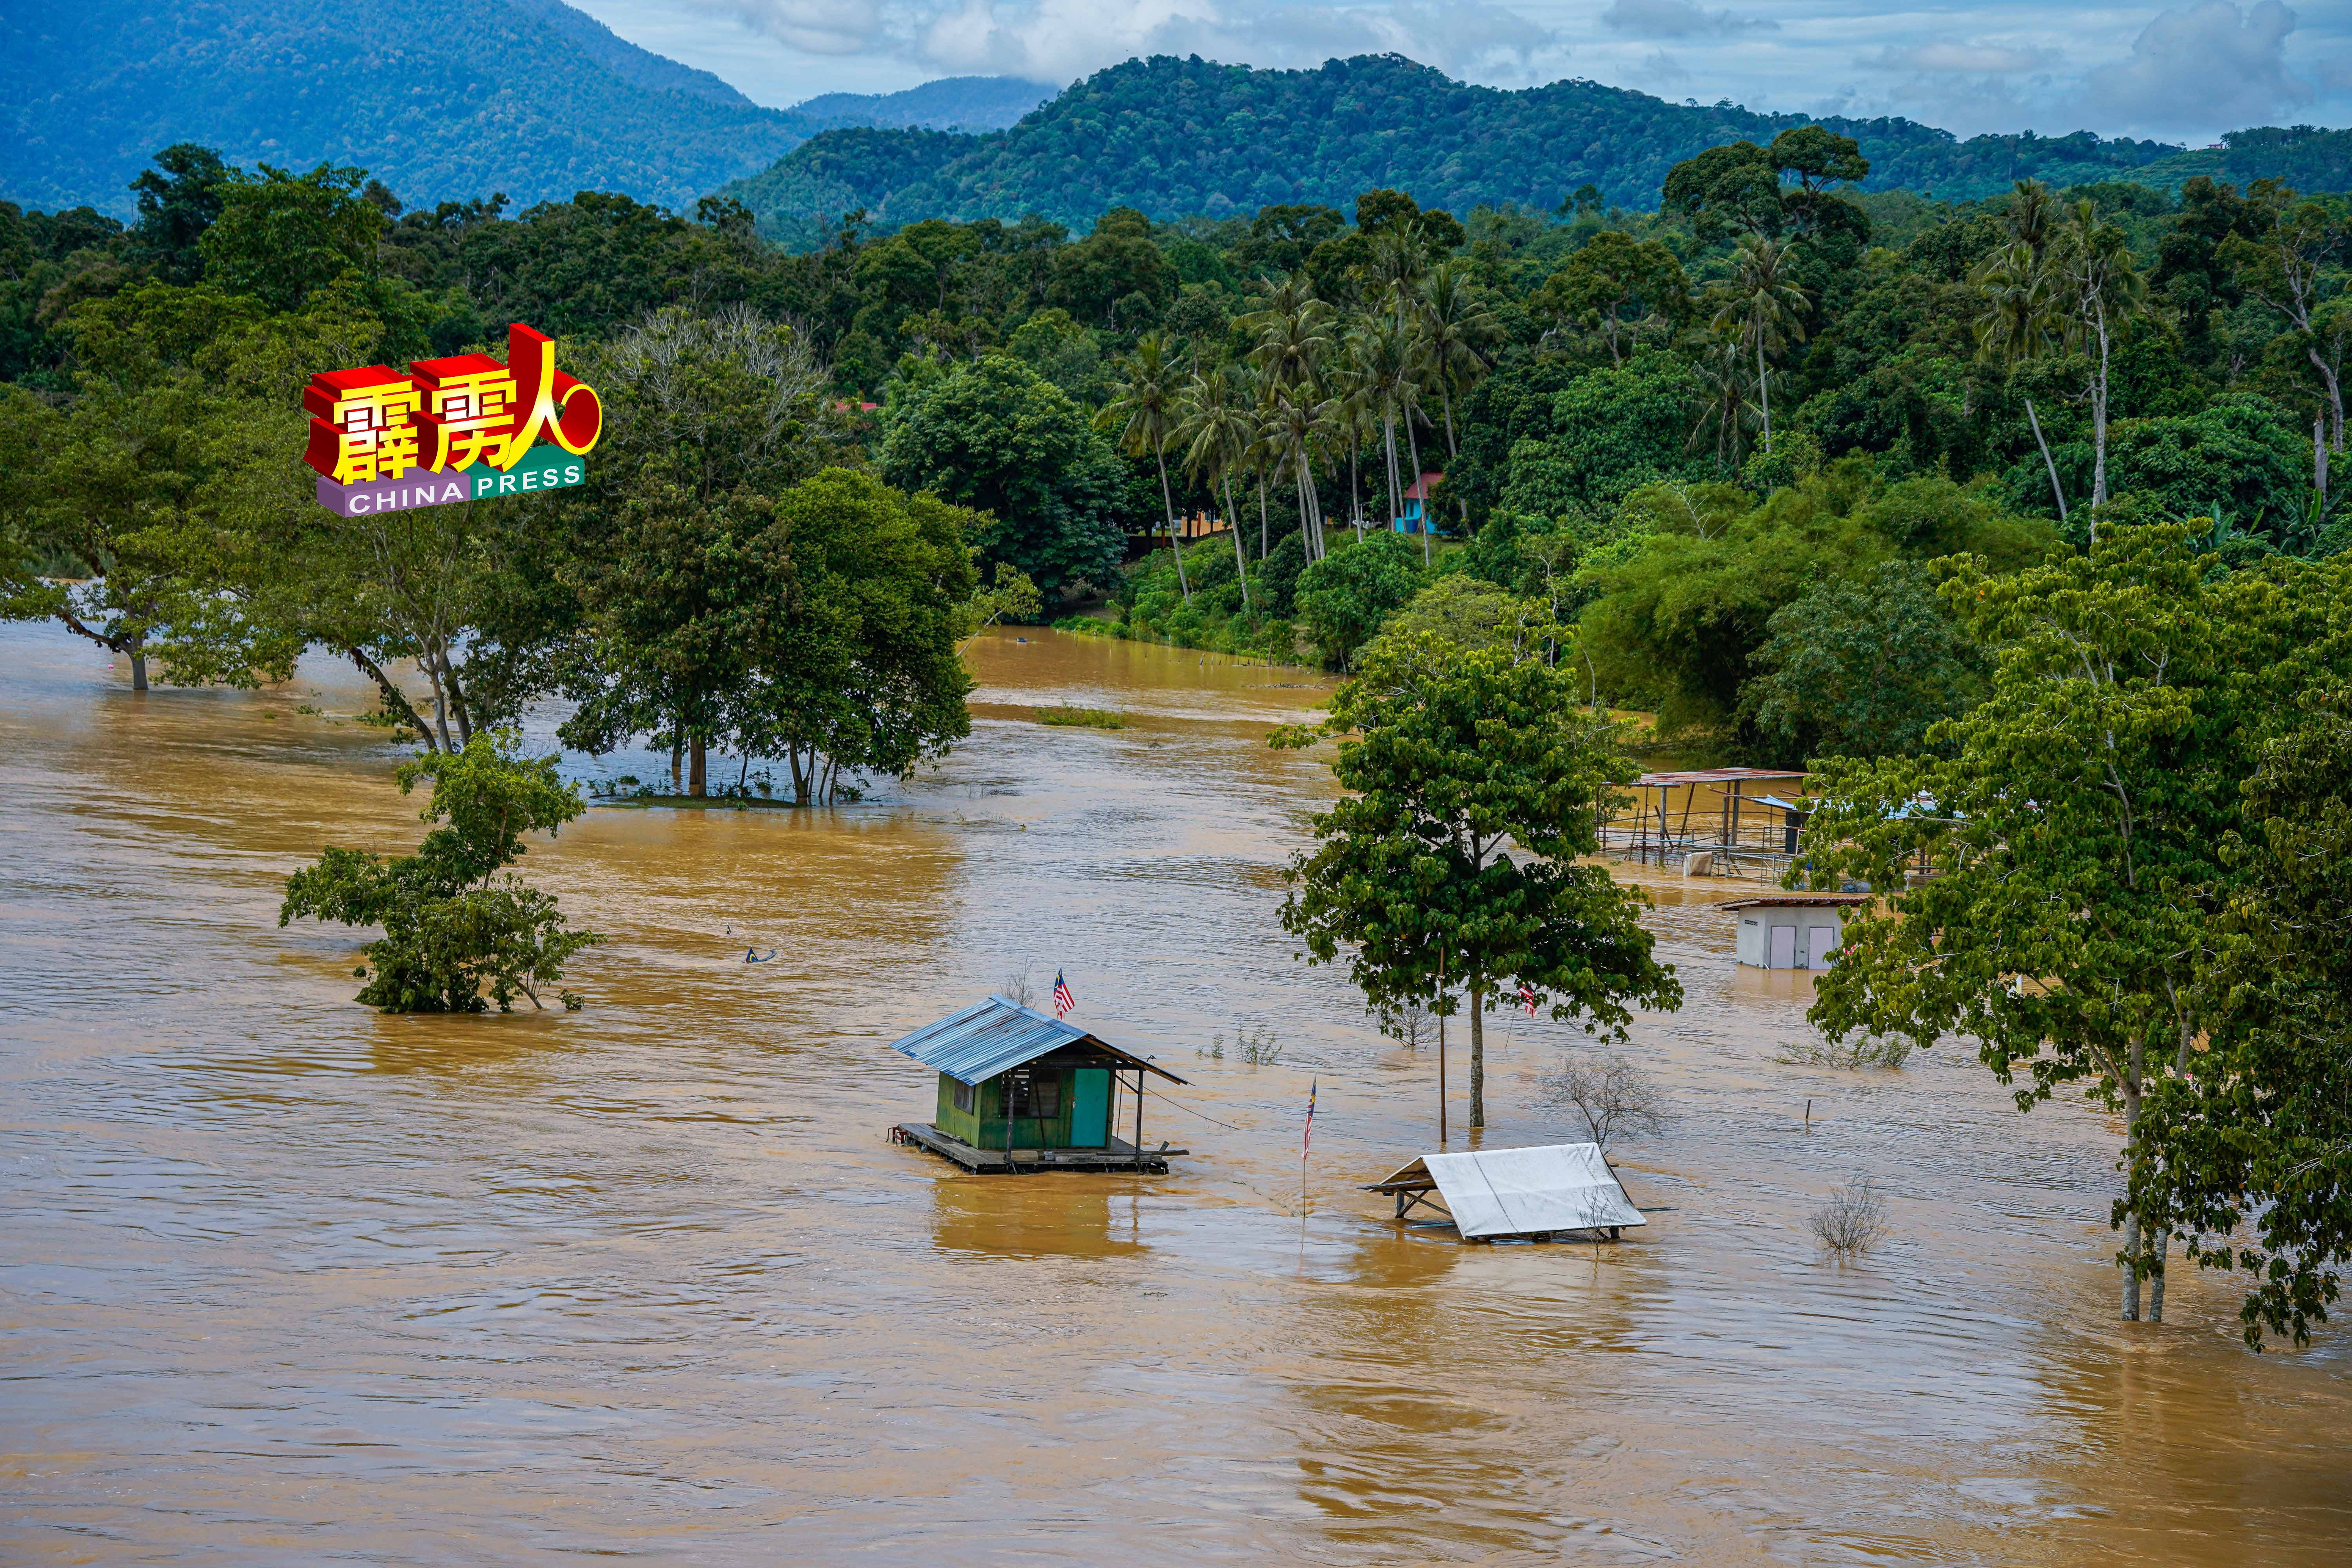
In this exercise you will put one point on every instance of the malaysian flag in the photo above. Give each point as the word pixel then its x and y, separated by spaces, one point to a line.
pixel 1527 995
pixel 1310 1138
pixel 1063 999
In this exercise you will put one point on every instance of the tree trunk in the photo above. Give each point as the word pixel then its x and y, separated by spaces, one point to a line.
pixel 677 756
pixel 457 704
pixel 2319 459
pixel 2335 392
pixel 1355 490
pixel 1477 1054
pixel 1174 544
pixel 1388 430
pixel 1234 522
pixel 697 777
pixel 1763 391
pixel 1261 511
pixel 2099 430
pixel 138 667
pixel 394 698
pixel 2056 493
pixel 2131 1087
pixel 1413 443
pixel 2156 1280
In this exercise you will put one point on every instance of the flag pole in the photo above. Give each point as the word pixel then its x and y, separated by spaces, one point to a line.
pixel 1441 1048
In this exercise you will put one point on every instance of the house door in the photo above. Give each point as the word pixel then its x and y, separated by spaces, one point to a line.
pixel 1784 947
pixel 1821 946
pixel 1090 1109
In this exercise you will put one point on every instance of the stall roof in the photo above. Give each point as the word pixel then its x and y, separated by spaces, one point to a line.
pixel 1522 1192
pixel 997 1035
pixel 1796 900
pixel 1712 775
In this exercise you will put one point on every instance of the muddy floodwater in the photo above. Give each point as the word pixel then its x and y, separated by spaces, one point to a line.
pixel 283 1281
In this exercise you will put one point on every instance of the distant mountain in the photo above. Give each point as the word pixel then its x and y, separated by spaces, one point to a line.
pixel 950 103
pixel 1180 137
pixel 439 99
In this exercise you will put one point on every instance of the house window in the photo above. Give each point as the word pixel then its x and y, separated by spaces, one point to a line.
pixel 965 1098
pixel 1040 1098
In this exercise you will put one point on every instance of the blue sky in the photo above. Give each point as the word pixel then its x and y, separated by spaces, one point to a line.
pixel 2183 73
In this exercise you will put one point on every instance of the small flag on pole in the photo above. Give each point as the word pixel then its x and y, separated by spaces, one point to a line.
pixel 1063 999
pixel 1527 995
pixel 1310 1138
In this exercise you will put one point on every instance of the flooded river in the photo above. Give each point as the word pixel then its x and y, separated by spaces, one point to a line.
pixel 284 1281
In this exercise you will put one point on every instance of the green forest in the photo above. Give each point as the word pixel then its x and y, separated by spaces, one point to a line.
pixel 1176 137
pixel 2013 519
pixel 1723 440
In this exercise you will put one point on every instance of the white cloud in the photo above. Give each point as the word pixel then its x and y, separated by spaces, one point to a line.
pixel 2205 65
pixel 1677 19
pixel 1060 40
pixel 1996 59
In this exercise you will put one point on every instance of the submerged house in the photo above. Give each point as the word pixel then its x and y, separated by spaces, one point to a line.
pixel 1792 929
pixel 1019 1090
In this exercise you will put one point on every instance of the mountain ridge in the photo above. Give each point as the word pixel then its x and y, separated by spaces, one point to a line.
pixel 1183 137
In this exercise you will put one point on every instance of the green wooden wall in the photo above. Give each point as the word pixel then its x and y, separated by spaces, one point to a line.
pixel 983 1127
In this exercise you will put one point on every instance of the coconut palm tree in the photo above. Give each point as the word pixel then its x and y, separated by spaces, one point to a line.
pixel 1142 408
pixel 2018 324
pixel 1455 329
pixel 1217 431
pixel 1383 359
pixel 1763 304
pixel 1726 407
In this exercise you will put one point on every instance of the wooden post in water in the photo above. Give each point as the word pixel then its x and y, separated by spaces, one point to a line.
pixel 1138 1119
pixel 1441 1050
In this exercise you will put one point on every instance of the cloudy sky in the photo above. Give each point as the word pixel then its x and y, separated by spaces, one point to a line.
pixel 2183 73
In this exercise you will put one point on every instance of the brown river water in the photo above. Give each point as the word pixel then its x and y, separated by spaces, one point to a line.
pixel 285 1281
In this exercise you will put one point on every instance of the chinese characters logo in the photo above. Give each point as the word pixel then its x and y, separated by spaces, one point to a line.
pixel 450 429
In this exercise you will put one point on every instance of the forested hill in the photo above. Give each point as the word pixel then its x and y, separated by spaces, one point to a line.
pixel 1176 137
pixel 437 98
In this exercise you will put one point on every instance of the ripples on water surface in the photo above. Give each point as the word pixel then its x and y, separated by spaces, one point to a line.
pixel 283 1280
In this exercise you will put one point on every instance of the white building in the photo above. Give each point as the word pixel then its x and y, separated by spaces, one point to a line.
pixel 1792 931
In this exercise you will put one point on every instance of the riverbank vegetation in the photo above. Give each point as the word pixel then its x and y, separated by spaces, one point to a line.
pixel 2020 518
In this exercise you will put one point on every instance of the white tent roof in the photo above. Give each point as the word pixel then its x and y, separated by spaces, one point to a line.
pixel 1521 1192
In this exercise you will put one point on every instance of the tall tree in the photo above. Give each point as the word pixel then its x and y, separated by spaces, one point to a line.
pixel 2018 324
pixel 2286 270
pixel 2076 832
pixel 2100 291
pixel 1457 760
pixel 1764 309
pixel 1216 432
pixel 1143 410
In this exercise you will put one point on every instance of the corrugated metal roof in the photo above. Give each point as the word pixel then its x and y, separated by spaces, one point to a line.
pixel 997 1035
pixel 1712 775
pixel 1524 1192
pixel 1796 900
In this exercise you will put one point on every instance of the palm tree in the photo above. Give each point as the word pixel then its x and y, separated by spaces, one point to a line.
pixel 1292 346
pixel 1216 432
pixel 2029 217
pixel 1396 264
pixel 2018 324
pixel 2100 290
pixel 1764 308
pixel 1722 371
pixel 1384 359
pixel 1455 328
pixel 1143 405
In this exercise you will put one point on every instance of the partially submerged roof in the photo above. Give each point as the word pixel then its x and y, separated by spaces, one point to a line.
pixel 1712 775
pixel 1523 1192
pixel 1794 901
pixel 997 1035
